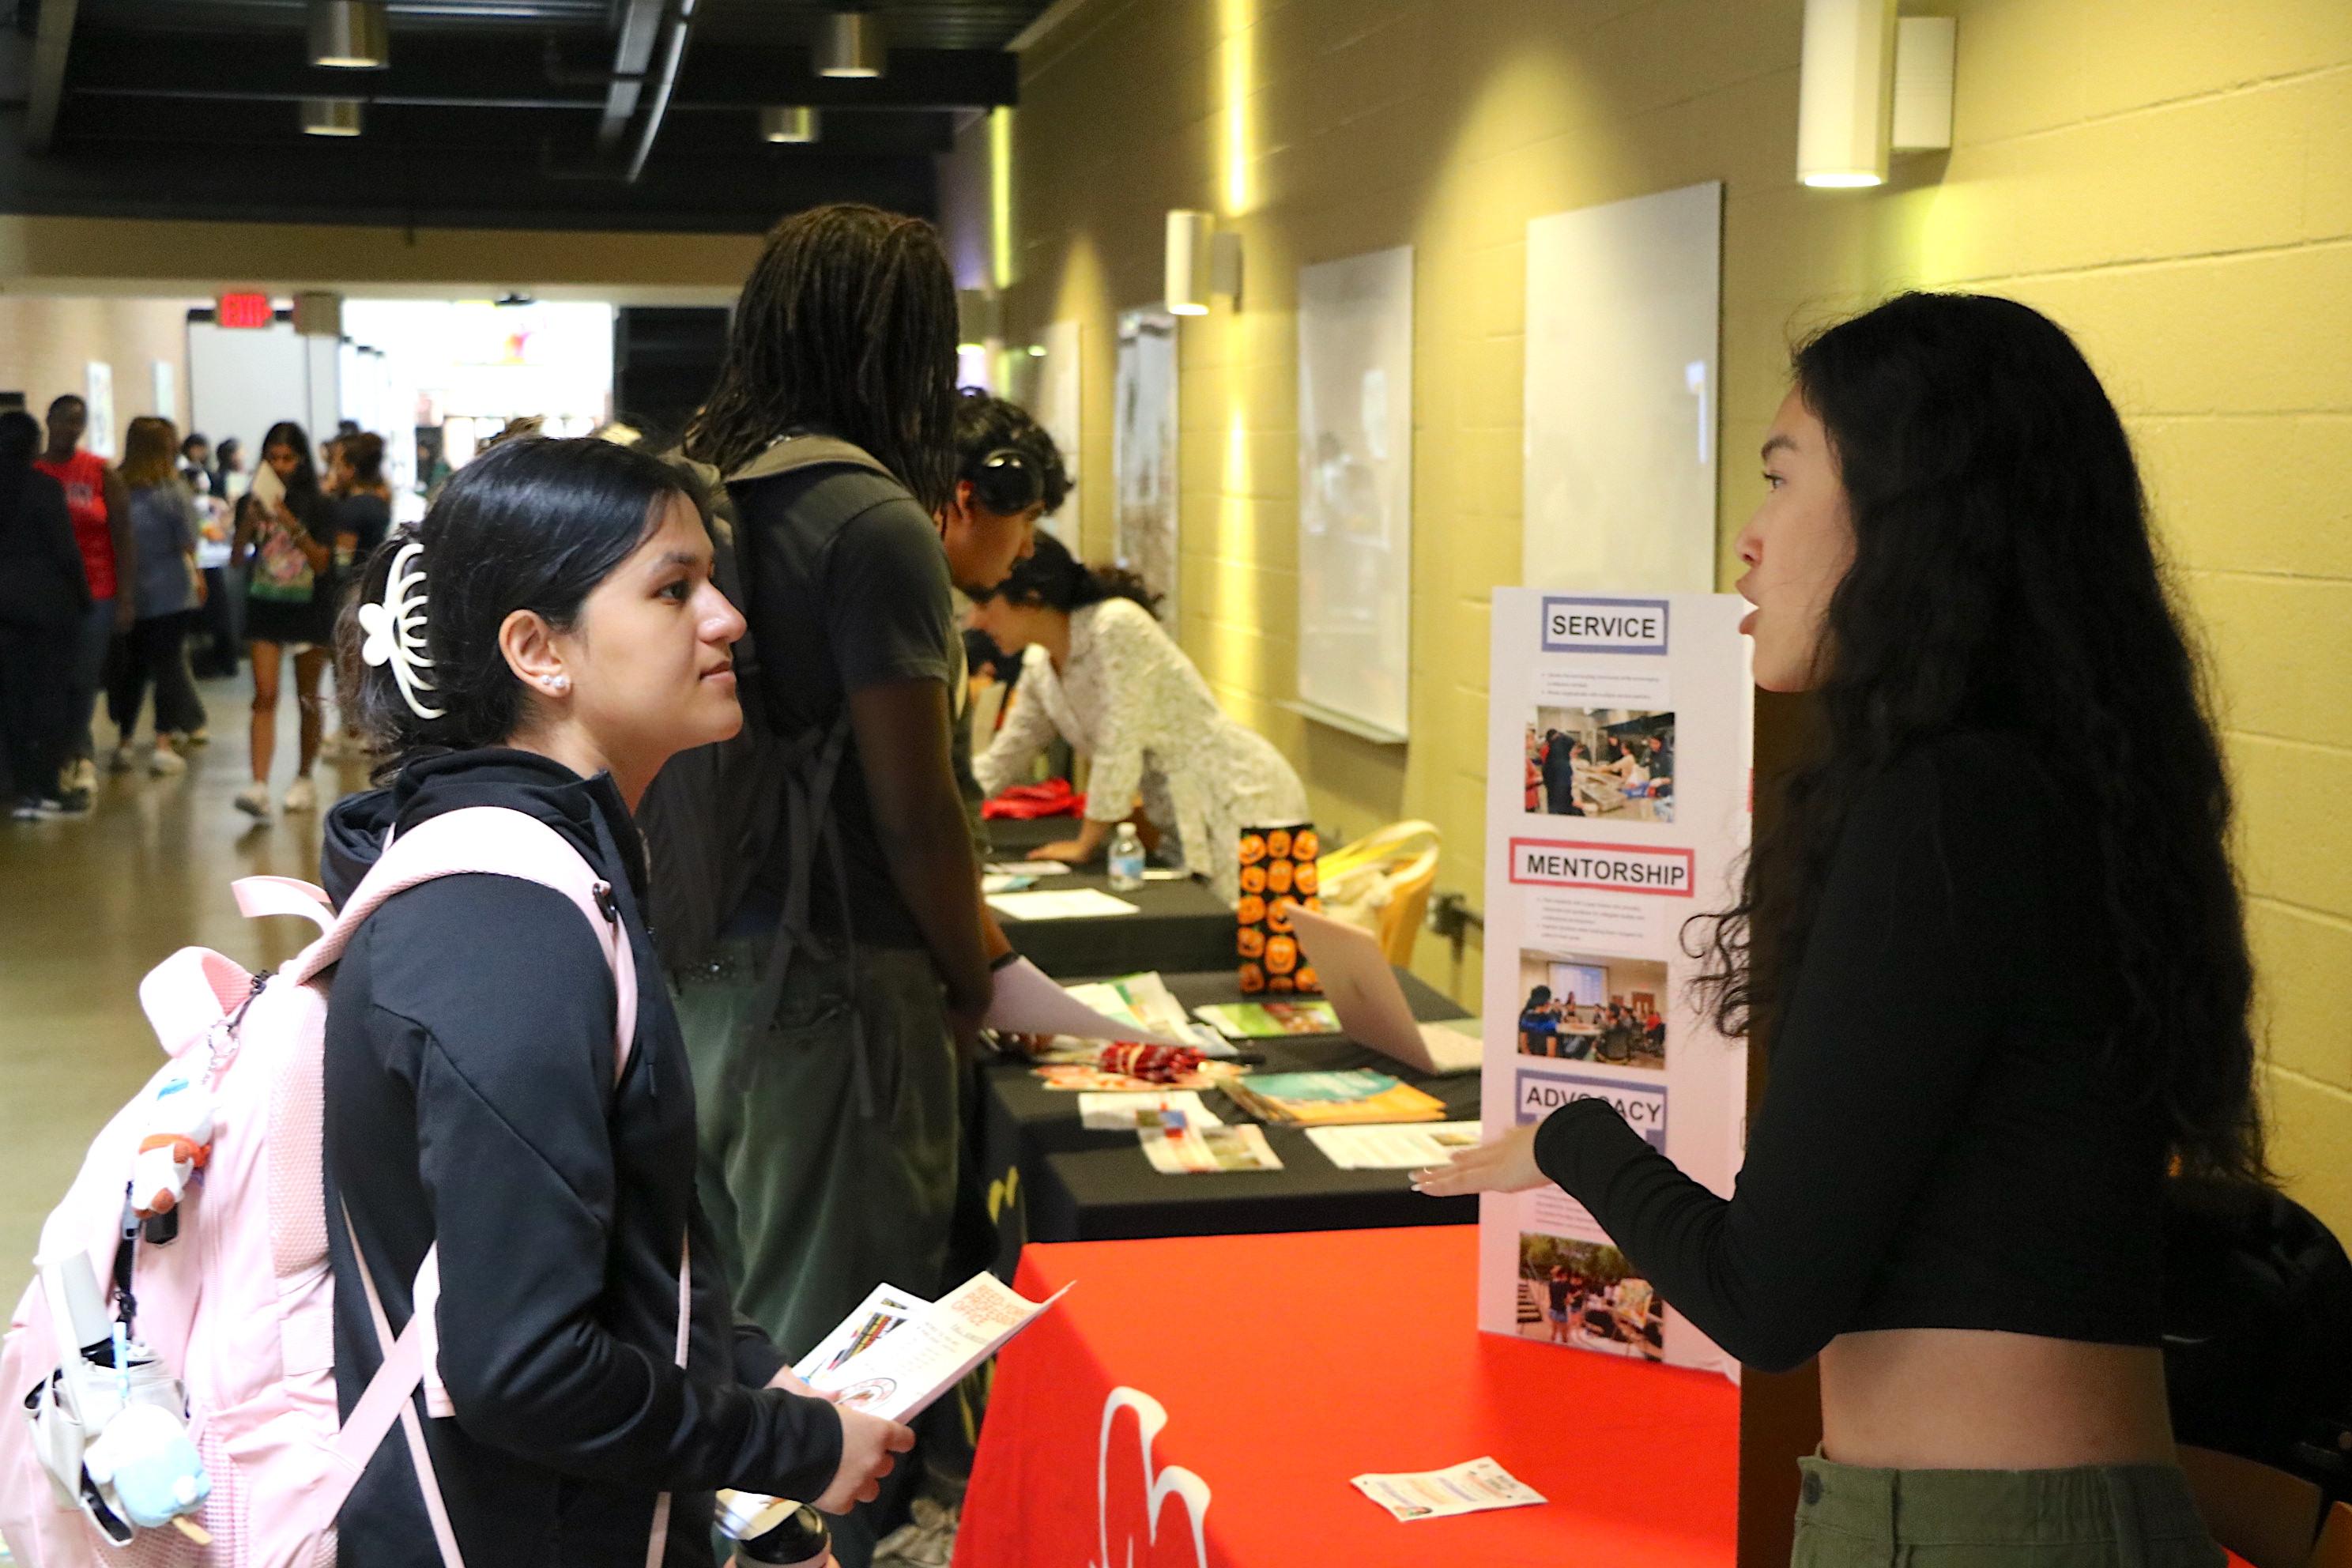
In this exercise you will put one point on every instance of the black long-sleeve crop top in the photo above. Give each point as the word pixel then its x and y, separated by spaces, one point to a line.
pixel 1944 1139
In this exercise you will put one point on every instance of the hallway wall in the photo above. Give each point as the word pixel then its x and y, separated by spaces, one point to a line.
pixel 47 344
pixel 2169 179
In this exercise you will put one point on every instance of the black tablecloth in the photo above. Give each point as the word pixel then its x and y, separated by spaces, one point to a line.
pixel 1050 1178
pixel 1178 925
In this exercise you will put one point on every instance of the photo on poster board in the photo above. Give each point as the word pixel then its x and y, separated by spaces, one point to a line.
pixel 1144 474
pixel 1608 762
pixel 1585 1294
pixel 1355 490
pixel 1623 311
pixel 1579 1006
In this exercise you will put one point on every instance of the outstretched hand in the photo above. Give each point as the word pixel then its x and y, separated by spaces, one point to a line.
pixel 1504 1164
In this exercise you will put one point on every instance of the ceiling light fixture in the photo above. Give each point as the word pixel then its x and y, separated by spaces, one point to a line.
pixel 852 43
pixel 330 116
pixel 350 34
pixel 796 124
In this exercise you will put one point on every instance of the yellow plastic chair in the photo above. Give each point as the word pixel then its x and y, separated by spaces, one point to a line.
pixel 1382 883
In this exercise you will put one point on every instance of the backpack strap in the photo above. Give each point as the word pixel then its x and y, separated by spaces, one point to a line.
pixel 811 764
pixel 492 841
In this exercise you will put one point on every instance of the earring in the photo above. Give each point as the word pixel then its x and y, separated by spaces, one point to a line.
pixel 558 684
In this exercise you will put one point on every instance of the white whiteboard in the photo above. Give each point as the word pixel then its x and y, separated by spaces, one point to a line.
pixel 1623 307
pixel 1355 492
pixel 1143 454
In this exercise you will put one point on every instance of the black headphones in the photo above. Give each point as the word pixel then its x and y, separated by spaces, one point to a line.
pixel 1006 482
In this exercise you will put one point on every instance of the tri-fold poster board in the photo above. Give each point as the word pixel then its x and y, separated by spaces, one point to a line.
pixel 1618 796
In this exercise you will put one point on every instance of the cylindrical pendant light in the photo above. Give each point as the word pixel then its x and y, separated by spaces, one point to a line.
pixel 350 34
pixel 330 116
pixel 787 124
pixel 1190 236
pixel 1845 94
pixel 852 43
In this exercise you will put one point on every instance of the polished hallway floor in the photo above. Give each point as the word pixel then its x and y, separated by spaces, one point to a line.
pixel 88 905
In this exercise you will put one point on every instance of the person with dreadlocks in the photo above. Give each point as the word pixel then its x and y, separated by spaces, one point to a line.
pixel 824 1021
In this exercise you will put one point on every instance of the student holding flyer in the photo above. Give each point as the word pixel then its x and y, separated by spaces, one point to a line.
pixel 1998 948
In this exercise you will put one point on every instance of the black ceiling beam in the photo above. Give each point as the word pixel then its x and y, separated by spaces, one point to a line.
pixel 513 69
pixel 52 39
pixel 563 142
pixel 641 29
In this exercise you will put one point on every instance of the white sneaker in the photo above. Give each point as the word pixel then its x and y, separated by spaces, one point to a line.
pixel 925 1540
pixel 161 763
pixel 254 801
pixel 122 758
pixel 301 795
pixel 82 775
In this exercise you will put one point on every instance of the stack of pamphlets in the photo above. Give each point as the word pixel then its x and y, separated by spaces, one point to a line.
pixel 1178 1145
pixel 1332 1098
pixel 1269 1020
pixel 1395 1148
pixel 1110 1112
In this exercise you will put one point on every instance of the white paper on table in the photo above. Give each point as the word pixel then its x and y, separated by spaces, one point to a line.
pixel 1407 1146
pixel 885 1309
pixel 929 1353
pixel 1027 1002
pixel 1073 904
pixel 1004 882
pixel 1025 868
pixel 1115 1110
pixel 1470 1488
pixel 1177 1147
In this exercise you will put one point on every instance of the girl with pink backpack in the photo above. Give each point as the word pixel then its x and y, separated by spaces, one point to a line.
pixel 543 642
pixel 506 1258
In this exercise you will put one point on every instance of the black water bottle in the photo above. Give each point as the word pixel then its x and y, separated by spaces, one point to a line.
pixel 788 1535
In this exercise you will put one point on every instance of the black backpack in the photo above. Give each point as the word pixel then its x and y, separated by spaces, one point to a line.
pixel 712 816
pixel 2258 1330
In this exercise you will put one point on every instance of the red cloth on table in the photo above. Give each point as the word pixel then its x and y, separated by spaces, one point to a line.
pixel 1288 1363
pixel 1029 803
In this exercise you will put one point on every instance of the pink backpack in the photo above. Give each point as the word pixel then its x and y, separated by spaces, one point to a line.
pixel 240 1306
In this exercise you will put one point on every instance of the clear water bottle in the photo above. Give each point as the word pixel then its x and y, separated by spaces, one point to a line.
pixel 1125 859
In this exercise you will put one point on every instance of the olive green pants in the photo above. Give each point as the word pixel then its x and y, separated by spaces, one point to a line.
pixel 2121 1516
pixel 824 1179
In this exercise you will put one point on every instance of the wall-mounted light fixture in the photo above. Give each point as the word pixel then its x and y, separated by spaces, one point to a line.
pixel 980 317
pixel 797 125
pixel 1869 88
pixel 852 43
pixel 350 34
pixel 1203 262
pixel 330 116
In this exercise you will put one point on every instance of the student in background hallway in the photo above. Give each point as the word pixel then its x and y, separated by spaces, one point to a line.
pixel 214 650
pixel 289 609
pixel 362 510
pixel 166 595
pixel 43 599
pixel 102 521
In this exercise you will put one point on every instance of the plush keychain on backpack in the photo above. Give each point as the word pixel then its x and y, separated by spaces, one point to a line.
pixel 177 1143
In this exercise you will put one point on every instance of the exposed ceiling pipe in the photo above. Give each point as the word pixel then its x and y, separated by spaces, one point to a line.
pixel 673 55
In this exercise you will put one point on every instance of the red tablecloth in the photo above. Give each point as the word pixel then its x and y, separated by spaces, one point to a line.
pixel 1284 1365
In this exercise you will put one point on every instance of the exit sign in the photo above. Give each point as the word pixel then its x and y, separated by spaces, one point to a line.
pixel 244 311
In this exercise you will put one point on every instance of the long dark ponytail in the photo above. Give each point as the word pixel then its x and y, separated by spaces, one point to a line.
pixel 2004 573
pixel 1053 579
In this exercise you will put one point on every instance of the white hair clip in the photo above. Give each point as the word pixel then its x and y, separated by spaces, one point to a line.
pixel 396 630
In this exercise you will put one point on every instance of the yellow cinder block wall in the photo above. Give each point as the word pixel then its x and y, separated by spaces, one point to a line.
pixel 2170 179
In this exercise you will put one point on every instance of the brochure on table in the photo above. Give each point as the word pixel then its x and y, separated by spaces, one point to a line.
pixel 1618 796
